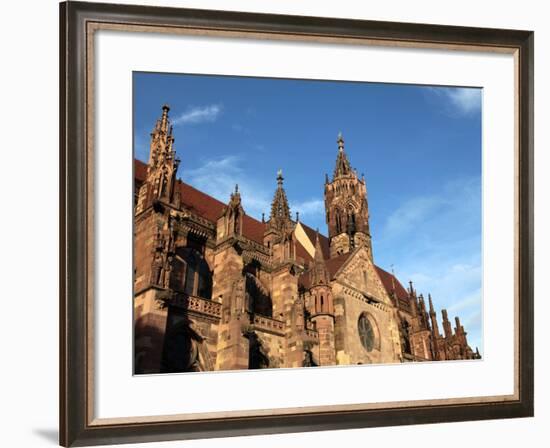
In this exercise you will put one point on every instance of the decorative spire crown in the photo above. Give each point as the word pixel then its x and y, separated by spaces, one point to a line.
pixel 280 211
pixel 163 161
pixel 343 167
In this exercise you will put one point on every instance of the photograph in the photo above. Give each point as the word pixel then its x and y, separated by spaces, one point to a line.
pixel 298 223
pixel 260 203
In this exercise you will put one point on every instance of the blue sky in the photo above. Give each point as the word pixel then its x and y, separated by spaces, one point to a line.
pixel 418 146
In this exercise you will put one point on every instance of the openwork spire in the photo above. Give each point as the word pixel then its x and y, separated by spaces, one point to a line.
pixel 319 275
pixel 163 164
pixel 280 211
pixel 343 167
pixel 162 141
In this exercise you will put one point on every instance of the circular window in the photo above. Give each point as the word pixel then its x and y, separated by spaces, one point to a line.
pixel 366 332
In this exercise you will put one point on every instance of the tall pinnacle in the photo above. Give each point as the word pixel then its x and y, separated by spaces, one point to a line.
pixel 319 273
pixel 163 162
pixel 343 167
pixel 162 141
pixel 280 211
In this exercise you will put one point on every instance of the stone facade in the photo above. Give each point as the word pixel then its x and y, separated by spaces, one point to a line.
pixel 215 289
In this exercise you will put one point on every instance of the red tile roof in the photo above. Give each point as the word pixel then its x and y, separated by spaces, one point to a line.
pixel 205 205
pixel 140 170
pixel 390 282
pixel 302 253
pixel 334 264
pixel 253 229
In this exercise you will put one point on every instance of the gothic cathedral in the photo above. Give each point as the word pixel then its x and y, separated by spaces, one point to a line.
pixel 215 289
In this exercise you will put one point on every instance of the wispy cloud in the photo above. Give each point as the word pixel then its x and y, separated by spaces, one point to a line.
pixel 141 145
pixel 455 287
pixel 411 213
pixel 196 115
pixel 218 177
pixel 458 201
pixel 463 100
pixel 312 209
pixel 435 241
pixel 237 127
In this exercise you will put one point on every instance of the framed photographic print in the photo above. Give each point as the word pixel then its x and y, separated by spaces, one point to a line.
pixel 277 224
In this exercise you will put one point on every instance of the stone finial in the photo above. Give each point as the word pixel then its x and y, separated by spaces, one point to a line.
pixel 340 141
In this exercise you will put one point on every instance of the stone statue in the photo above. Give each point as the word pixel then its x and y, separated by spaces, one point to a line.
pixel 167 272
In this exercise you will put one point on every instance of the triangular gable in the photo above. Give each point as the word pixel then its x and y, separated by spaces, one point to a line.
pixel 360 273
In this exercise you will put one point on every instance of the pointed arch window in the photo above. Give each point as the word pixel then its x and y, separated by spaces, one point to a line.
pixel 197 280
pixel 338 222
pixel 367 333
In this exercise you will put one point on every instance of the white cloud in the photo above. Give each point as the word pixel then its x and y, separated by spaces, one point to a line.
pixel 456 202
pixel 196 115
pixel 462 99
pixel 409 214
pixel 218 177
pixel 314 208
pixel 434 240
pixel 466 100
pixel 453 286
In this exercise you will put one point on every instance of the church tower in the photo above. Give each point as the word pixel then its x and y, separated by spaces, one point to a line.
pixel 346 206
pixel 163 165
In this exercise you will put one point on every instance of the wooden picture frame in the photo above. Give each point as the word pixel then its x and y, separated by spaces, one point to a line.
pixel 77 23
